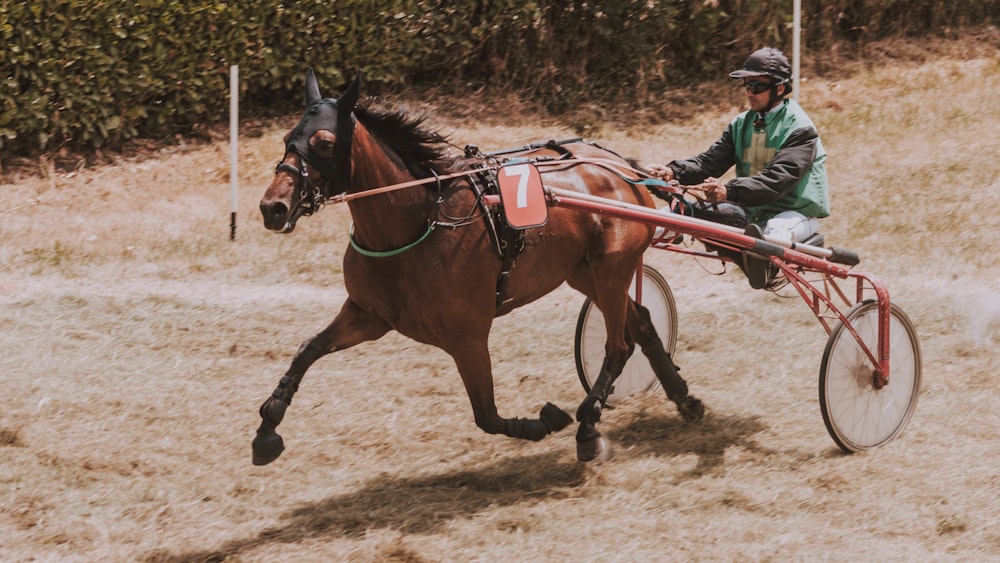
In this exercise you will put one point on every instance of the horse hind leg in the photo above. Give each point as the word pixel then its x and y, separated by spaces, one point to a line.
pixel 608 292
pixel 351 326
pixel 663 365
pixel 590 444
pixel 474 366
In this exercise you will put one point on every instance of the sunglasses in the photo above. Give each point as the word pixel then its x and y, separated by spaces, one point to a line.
pixel 756 86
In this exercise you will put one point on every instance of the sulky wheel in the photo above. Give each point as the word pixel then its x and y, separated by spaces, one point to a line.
pixel 857 415
pixel 637 376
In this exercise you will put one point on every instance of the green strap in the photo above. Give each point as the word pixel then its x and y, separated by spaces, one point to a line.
pixel 654 182
pixel 388 253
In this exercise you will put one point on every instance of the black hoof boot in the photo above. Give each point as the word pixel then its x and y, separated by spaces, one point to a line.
pixel 267 446
pixel 554 418
pixel 691 409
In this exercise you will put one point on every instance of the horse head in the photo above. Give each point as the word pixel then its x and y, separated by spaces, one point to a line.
pixel 317 159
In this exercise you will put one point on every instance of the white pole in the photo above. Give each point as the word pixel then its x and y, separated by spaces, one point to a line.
pixel 234 131
pixel 796 46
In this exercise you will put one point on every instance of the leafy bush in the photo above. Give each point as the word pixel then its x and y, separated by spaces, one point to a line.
pixel 94 73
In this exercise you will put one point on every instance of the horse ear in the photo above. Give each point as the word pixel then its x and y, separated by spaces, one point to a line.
pixel 350 96
pixel 312 88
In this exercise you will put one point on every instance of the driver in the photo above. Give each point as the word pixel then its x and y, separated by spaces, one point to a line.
pixel 780 185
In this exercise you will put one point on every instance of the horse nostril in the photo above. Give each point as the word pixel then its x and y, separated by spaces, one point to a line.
pixel 273 212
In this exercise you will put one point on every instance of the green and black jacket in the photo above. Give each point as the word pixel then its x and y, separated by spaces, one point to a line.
pixel 779 167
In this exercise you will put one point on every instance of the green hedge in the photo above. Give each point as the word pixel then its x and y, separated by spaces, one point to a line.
pixel 94 73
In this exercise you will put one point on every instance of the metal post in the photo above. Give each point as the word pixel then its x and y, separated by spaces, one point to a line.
pixel 796 46
pixel 234 131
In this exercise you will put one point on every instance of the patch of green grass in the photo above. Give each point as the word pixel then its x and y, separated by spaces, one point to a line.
pixel 188 247
pixel 55 257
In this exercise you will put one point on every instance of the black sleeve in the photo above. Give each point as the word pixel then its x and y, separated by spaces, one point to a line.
pixel 714 162
pixel 779 177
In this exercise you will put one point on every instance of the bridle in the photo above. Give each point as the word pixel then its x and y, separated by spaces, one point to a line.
pixel 335 172
pixel 312 195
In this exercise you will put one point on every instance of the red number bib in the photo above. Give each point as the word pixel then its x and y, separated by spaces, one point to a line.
pixel 522 195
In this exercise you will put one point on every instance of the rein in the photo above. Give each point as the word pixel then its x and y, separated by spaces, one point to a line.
pixel 608 164
pixel 346 197
pixel 605 163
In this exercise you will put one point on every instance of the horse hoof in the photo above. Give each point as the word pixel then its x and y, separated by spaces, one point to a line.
pixel 267 446
pixel 691 409
pixel 596 449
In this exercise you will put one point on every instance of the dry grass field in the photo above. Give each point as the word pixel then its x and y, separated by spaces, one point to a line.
pixel 138 343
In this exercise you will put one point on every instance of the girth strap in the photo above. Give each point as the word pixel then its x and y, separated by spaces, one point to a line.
pixel 511 245
pixel 507 242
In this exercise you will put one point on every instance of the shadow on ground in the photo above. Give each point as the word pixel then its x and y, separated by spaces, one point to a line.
pixel 412 505
pixel 667 435
pixel 426 504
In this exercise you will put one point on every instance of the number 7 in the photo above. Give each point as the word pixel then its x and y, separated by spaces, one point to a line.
pixel 523 173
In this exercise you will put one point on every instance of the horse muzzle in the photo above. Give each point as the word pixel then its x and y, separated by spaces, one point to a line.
pixel 277 216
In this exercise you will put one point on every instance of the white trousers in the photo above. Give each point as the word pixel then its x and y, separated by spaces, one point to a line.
pixel 792 226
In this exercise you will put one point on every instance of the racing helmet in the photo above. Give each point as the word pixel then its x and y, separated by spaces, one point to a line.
pixel 767 62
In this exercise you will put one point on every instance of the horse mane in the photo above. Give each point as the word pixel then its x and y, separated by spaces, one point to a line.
pixel 422 151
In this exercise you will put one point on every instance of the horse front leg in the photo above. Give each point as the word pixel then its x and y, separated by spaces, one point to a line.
pixel 474 366
pixel 350 327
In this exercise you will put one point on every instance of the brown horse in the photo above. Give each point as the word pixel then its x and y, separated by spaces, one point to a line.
pixel 424 261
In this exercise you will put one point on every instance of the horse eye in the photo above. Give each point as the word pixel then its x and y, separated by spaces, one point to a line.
pixel 324 149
